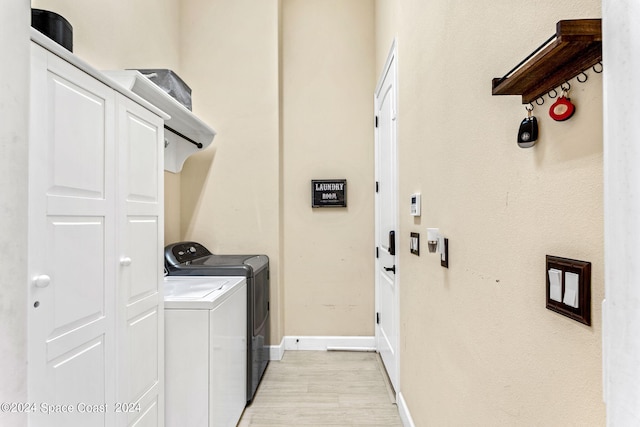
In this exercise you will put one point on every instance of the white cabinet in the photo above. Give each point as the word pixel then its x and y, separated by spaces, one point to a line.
pixel 95 321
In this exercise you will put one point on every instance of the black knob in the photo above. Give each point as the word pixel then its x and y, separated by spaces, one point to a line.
pixel 393 269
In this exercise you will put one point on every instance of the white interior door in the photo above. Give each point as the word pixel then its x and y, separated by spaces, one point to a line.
pixel 71 233
pixel 387 297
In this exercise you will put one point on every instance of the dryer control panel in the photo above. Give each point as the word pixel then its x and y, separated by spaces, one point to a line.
pixel 184 252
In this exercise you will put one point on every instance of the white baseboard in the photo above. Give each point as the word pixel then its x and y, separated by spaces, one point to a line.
pixel 276 351
pixel 321 343
pixel 403 409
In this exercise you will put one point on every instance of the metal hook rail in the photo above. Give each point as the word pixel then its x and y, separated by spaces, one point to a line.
pixel 581 77
pixel 186 138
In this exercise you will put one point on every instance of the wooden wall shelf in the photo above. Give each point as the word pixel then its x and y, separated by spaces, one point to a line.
pixel 576 46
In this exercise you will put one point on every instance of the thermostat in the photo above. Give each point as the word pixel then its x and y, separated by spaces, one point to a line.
pixel 415 204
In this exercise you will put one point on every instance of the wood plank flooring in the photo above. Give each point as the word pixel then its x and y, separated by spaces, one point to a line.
pixel 323 388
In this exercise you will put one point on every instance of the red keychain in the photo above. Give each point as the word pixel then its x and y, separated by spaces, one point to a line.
pixel 562 109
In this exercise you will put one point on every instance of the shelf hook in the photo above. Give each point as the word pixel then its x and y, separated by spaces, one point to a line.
pixel 555 93
pixel 580 75
pixel 540 100
pixel 595 70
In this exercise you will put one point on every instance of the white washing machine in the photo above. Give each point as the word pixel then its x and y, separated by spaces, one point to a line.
pixel 205 350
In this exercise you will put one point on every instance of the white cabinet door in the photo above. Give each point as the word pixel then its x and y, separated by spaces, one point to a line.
pixel 139 249
pixel 71 236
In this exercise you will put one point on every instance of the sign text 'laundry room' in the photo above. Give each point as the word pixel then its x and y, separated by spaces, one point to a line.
pixel 328 193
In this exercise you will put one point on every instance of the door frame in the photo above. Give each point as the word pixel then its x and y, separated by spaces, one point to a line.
pixel 392 60
pixel 620 326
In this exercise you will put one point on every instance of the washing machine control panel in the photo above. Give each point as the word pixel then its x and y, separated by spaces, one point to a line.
pixel 184 252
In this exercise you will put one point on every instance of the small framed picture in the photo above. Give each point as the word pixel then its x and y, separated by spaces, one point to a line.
pixel 328 193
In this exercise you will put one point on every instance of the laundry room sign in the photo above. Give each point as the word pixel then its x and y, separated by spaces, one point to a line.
pixel 328 193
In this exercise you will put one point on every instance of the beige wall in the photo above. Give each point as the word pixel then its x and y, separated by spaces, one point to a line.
pixel 250 192
pixel 385 30
pixel 120 34
pixel 478 346
pixel 230 192
pixel 327 83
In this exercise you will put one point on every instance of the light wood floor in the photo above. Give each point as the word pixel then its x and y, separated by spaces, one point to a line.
pixel 323 388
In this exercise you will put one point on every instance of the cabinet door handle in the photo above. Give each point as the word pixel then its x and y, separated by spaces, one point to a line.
pixel 392 269
pixel 41 281
pixel 125 261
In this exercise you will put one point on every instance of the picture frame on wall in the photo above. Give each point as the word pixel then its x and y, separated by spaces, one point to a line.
pixel 328 193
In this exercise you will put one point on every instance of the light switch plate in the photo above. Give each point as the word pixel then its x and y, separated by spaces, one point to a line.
pixel 444 256
pixel 575 305
pixel 414 243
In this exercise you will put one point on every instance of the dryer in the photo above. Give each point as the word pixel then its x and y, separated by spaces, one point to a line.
pixel 193 259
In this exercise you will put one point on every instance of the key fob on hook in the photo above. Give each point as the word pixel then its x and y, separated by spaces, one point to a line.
pixel 528 132
pixel 562 109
